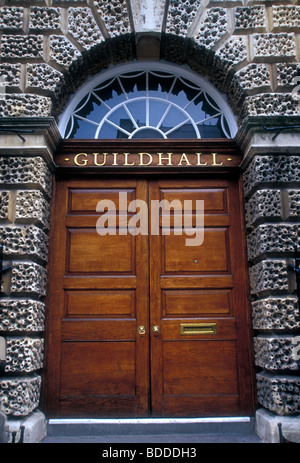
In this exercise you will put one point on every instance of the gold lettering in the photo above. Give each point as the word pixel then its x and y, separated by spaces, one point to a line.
pixel 96 160
pixel 83 161
pixel 214 155
pixel 115 159
pixel 184 159
pixel 199 163
pixel 142 163
pixel 126 160
pixel 165 158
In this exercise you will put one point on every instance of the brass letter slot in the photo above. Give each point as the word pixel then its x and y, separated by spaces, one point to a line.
pixel 198 328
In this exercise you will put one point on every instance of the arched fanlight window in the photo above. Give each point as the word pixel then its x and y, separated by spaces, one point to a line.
pixel 147 100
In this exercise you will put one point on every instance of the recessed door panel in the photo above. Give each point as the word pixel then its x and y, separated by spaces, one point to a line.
pixel 90 252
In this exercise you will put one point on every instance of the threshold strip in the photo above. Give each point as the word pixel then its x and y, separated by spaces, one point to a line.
pixel 238 419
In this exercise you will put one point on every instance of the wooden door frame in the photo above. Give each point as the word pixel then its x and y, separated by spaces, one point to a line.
pixel 227 163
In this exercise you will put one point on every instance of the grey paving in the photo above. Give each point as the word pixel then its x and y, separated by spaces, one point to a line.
pixel 149 431
pixel 162 439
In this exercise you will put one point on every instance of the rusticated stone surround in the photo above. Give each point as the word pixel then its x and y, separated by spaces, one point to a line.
pixel 26 170
pixel 250 51
pixel 271 188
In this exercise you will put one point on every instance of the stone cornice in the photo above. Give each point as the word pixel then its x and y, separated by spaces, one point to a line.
pixel 29 136
pixel 268 134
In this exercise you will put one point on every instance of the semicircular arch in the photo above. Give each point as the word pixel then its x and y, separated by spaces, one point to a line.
pixel 148 99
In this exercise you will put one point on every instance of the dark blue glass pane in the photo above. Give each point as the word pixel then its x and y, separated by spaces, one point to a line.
pixel 92 109
pixel 182 94
pixel 83 129
pixel 211 129
pixel 160 86
pixel 138 111
pixel 111 93
pixel 173 118
pixel 156 111
pixel 118 115
pixel 109 131
pixel 134 85
pixel 147 133
pixel 185 131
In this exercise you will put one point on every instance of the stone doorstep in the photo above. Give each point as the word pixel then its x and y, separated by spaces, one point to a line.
pixel 30 430
pixel 266 423
pixel 268 431
pixel 3 429
pixel 35 428
pixel 150 427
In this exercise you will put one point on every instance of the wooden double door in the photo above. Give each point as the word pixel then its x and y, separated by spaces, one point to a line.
pixel 140 324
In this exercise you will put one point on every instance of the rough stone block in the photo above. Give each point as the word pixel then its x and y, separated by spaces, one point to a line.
pixel 115 16
pixel 273 47
pixel 275 353
pixel 254 77
pixel 285 74
pixel 44 77
pixel 44 19
pixel 27 240
pixel 181 15
pixel 250 18
pixel 264 203
pixel 276 313
pixel 24 354
pixel 83 27
pixel 269 275
pixel 294 203
pixel 270 239
pixel 62 51
pixel 234 51
pixel 279 394
pixel 4 205
pixel 32 207
pixel 28 277
pixel 20 396
pixel 22 46
pixel 11 19
pixel 21 315
pixel 25 105
pixel 11 75
pixel 270 169
pixel 270 104
pixel 32 172
pixel 213 27
pixel 286 17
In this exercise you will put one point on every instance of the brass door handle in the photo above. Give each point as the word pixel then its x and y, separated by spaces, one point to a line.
pixel 141 329
pixel 155 329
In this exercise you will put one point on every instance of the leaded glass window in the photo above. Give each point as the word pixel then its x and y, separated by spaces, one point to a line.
pixel 147 102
